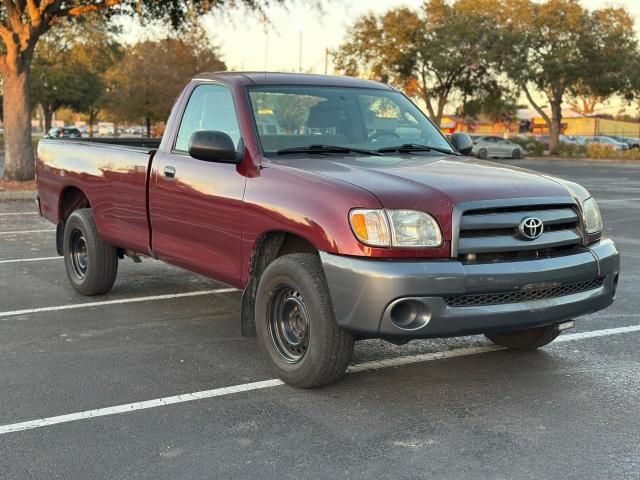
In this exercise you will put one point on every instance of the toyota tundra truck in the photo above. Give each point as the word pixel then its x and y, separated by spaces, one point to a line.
pixel 340 211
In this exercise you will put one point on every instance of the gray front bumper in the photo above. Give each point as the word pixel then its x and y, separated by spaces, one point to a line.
pixel 364 292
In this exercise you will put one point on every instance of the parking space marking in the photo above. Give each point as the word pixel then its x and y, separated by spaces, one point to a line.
pixel 22 260
pixel 21 232
pixel 247 387
pixel 11 214
pixel 119 301
pixel 132 407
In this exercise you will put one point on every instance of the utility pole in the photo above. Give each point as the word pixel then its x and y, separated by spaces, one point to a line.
pixel 326 61
pixel 266 50
pixel 300 53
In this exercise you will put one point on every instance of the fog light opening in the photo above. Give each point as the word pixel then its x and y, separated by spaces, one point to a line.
pixel 410 314
pixel 615 285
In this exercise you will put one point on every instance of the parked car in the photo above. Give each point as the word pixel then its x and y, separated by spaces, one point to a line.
pixel 64 132
pixel 631 141
pixel 606 141
pixel 355 220
pixel 546 140
pixel 495 147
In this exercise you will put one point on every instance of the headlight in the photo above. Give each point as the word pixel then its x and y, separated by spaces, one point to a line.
pixel 592 217
pixel 397 228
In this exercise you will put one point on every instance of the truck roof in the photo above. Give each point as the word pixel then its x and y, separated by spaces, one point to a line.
pixel 275 78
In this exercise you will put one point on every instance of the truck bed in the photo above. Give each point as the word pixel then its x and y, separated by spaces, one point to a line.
pixel 113 175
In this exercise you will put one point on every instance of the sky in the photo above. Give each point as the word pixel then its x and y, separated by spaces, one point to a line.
pixel 298 35
pixel 246 44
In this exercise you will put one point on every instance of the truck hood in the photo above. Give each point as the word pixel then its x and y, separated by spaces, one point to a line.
pixel 418 181
pixel 433 184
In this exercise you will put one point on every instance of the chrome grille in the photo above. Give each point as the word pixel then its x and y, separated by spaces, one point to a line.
pixel 522 295
pixel 491 231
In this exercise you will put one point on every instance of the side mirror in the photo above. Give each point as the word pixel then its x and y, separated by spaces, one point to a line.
pixel 213 146
pixel 462 143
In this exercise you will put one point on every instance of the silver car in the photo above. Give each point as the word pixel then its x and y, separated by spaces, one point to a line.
pixel 495 147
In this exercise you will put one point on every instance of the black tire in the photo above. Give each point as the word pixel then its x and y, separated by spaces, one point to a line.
pixel 295 323
pixel 483 154
pixel 91 264
pixel 516 154
pixel 529 339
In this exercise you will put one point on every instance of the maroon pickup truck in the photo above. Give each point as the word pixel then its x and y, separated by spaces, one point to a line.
pixel 341 212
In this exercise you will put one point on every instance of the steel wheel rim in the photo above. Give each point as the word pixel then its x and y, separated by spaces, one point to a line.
pixel 78 254
pixel 288 323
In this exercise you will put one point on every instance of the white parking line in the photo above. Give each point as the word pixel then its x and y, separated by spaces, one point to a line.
pixel 22 260
pixel 74 306
pixel 11 214
pixel 247 387
pixel 21 232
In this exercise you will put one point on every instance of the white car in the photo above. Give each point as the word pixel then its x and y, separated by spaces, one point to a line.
pixel 495 147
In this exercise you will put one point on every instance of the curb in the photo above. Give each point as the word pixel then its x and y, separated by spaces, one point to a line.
pixel 576 159
pixel 20 195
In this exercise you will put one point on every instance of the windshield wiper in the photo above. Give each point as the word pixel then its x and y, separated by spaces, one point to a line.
pixel 416 147
pixel 318 148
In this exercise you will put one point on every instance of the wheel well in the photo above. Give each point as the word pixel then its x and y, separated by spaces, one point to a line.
pixel 71 199
pixel 268 247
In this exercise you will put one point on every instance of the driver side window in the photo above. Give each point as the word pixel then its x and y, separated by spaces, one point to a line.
pixel 210 107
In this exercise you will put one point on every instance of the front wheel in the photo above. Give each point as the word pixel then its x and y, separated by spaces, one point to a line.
pixel 516 154
pixel 529 339
pixel 483 154
pixel 295 323
pixel 92 265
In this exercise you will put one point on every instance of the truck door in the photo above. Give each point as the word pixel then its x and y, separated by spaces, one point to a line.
pixel 195 206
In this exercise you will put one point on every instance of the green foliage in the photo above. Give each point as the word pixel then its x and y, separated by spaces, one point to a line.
pixel 571 150
pixel 69 66
pixel 531 145
pixel 560 49
pixel 433 54
pixel 606 152
pixel 146 82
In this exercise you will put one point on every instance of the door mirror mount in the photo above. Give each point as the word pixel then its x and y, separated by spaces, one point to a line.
pixel 213 146
pixel 462 142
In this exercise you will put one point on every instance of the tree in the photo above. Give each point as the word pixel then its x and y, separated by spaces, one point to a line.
pixel 147 80
pixel 432 54
pixel 24 22
pixel 584 102
pixel 556 47
pixel 68 66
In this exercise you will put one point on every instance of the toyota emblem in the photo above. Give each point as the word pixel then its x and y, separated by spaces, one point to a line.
pixel 530 228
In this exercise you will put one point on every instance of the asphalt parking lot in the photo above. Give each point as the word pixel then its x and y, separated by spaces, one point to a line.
pixel 155 380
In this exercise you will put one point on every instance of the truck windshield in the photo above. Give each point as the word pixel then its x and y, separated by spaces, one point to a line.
pixel 292 119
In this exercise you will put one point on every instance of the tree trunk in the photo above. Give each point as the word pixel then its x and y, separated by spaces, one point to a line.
pixel 442 102
pixel 556 127
pixel 19 163
pixel 148 120
pixel 47 113
pixel 93 114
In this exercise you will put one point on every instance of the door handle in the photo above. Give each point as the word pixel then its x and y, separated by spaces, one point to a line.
pixel 169 173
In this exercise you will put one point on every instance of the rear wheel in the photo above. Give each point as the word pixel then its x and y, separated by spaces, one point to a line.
pixel 296 326
pixel 92 265
pixel 483 154
pixel 529 339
